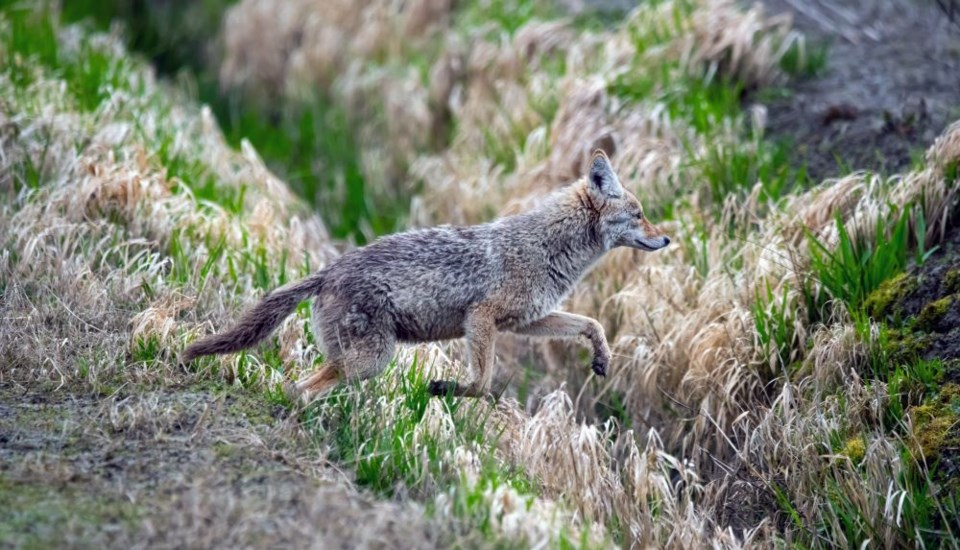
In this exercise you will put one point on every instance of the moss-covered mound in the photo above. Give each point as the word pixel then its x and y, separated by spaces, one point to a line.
pixel 922 306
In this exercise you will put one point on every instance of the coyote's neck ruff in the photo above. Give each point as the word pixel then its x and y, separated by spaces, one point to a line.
pixel 450 282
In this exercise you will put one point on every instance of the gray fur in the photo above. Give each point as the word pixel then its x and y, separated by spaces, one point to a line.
pixel 449 282
pixel 257 323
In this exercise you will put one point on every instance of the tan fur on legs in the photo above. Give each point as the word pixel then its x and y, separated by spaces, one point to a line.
pixel 318 382
pixel 481 332
pixel 563 325
pixel 362 358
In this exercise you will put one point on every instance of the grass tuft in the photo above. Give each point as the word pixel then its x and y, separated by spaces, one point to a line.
pixel 860 264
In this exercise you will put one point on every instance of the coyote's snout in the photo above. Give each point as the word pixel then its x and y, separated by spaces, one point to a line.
pixel 450 282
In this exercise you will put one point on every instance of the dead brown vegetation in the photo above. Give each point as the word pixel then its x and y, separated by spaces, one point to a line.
pixel 111 256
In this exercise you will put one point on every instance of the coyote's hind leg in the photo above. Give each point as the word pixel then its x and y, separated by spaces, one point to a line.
pixel 320 381
pixel 364 359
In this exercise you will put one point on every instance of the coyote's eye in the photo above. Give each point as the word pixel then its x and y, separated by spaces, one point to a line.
pixel 640 215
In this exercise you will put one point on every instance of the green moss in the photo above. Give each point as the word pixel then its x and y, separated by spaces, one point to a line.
pixel 933 312
pixel 885 300
pixel 854 449
pixel 950 396
pixel 951 370
pixel 903 346
pixel 951 281
pixel 932 429
pixel 935 424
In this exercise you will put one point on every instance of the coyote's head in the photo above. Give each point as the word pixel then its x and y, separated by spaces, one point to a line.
pixel 622 222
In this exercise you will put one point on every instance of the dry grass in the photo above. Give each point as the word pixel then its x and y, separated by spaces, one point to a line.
pixel 115 261
pixel 690 367
pixel 110 263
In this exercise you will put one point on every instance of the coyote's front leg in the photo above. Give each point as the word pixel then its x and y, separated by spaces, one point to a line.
pixel 562 325
pixel 481 332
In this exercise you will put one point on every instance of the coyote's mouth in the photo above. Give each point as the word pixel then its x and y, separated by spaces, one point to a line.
pixel 652 245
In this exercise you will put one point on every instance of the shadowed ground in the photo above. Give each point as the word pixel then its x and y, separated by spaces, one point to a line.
pixel 891 84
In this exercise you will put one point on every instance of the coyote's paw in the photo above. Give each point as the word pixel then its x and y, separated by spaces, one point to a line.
pixel 599 365
pixel 441 387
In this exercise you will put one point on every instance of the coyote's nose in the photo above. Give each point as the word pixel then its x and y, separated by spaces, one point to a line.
pixel 666 240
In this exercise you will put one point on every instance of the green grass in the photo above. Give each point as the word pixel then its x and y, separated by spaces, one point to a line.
pixel 697 247
pixel 730 170
pixel 309 144
pixel 805 62
pixel 30 512
pixel 147 350
pixel 712 105
pixel 929 519
pixel 851 272
pixel 504 15
pixel 90 74
pixel 711 108
pixel 951 172
pixel 312 146
pixel 190 175
pixel 922 518
pixel 774 318
pixel 706 106
pixel 27 174
pixel 377 428
pixel 858 265
pixel 382 455
pixel 907 384
pixel 173 34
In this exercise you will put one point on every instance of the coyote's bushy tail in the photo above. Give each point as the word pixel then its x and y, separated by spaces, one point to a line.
pixel 257 323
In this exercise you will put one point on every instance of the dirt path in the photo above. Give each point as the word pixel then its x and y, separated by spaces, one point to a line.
pixel 891 85
pixel 187 468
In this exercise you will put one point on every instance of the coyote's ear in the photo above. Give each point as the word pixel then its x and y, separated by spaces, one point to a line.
pixel 602 176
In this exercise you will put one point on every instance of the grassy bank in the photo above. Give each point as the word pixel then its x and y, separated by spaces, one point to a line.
pixel 310 143
pixel 779 376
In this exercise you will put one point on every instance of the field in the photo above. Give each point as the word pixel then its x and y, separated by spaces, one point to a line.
pixel 787 373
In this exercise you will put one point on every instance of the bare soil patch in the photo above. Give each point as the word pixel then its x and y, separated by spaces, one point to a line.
pixel 188 467
pixel 891 84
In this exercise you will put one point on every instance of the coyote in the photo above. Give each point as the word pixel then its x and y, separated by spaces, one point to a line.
pixel 449 282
